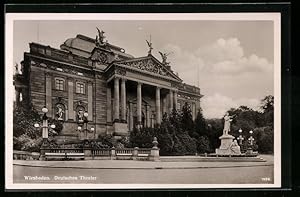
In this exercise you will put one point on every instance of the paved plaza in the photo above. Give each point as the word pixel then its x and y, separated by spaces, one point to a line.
pixel 144 172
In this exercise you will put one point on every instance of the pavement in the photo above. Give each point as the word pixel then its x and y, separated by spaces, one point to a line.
pixel 182 162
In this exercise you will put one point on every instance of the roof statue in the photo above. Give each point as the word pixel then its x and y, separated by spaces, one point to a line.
pixel 149 45
pixel 100 38
pixel 164 57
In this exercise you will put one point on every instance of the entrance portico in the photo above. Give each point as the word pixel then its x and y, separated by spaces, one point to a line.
pixel 144 95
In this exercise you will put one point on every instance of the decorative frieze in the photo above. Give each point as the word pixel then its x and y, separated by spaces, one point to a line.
pixel 120 71
pixel 147 65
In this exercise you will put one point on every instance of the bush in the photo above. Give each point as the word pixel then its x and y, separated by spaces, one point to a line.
pixel 203 145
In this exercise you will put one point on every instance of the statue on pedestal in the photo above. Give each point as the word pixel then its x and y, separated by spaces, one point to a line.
pixel 229 145
pixel 227 120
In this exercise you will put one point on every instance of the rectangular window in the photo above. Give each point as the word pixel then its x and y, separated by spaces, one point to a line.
pixel 80 88
pixel 59 84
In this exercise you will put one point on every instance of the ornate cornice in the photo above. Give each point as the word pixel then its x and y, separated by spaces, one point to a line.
pixel 61 67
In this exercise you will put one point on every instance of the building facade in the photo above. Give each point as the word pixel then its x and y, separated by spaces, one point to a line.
pixel 118 91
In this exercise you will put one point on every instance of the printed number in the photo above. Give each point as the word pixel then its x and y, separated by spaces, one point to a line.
pixel 266 179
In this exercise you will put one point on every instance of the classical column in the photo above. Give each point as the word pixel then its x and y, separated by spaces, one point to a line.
pixel 171 101
pixel 123 100
pixel 139 103
pixel 164 104
pixel 175 100
pixel 148 114
pixel 130 116
pixel 157 105
pixel 48 93
pixel 116 100
pixel 194 111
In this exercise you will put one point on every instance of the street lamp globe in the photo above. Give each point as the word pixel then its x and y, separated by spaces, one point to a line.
pixel 92 129
pixel 79 128
pixel 85 114
pixel 36 125
pixel 53 126
pixel 44 110
pixel 240 130
pixel 251 132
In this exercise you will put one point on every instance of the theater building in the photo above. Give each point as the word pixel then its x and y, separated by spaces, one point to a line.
pixel 118 91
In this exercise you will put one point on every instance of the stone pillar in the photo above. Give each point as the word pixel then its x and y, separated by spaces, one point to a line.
pixel 171 101
pixel 130 116
pixel 135 153
pixel 70 99
pixel 165 107
pixel 113 153
pixel 90 101
pixel 175 100
pixel 193 111
pixel 108 104
pixel 139 103
pixel 157 105
pixel 148 116
pixel 116 100
pixel 123 100
pixel 48 93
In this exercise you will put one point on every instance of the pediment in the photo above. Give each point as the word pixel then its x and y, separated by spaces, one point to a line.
pixel 149 64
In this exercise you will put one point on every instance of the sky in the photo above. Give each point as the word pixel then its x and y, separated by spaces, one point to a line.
pixel 231 61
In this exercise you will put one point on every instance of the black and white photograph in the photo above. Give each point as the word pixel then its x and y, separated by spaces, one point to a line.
pixel 113 101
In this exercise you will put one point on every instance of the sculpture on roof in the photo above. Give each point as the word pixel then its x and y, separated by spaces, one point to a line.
pixel 164 57
pixel 100 37
pixel 149 45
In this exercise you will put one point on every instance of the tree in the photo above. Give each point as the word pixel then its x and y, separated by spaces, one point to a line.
pixel 267 103
pixel 200 124
pixel 267 107
pixel 186 117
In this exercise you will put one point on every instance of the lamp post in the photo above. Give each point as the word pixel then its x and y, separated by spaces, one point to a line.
pixel 250 139
pixel 45 126
pixel 81 124
pixel 240 138
pixel 45 130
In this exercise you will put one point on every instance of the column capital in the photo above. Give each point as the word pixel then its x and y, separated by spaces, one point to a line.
pixel 116 78
pixel 123 79
pixel 139 83
pixel 158 87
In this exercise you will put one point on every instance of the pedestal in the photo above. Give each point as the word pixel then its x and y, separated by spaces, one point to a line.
pixel 120 128
pixel 224 149
pixel 154 154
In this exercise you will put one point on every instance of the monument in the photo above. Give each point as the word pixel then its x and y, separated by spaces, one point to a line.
pixel 229 146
